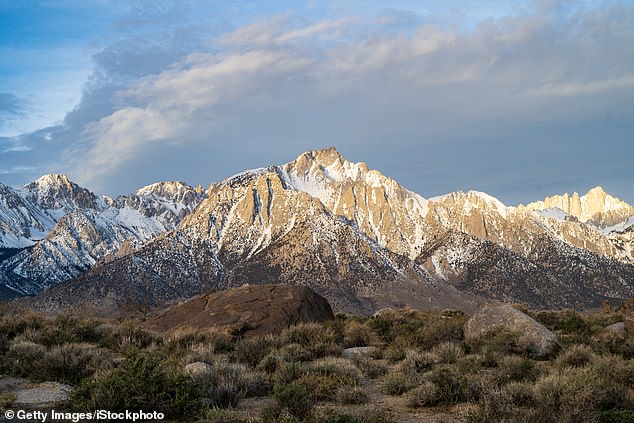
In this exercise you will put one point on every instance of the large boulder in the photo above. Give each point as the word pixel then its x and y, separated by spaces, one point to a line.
pixel 248 310
pixel 537 338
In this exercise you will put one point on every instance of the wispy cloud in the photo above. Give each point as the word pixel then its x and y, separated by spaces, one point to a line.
pixel 11 107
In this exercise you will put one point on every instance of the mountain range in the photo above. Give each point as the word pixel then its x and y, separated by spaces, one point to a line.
pixel 352 234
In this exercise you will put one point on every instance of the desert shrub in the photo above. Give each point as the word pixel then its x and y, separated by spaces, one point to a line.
pixel 368 366
pixel 452 386
pixel 339 367
pixel 398 383
pixel 613 370
pixel 479 383
pixel 128 336
pixel 227 383
pixel 418 361
pixel 321 387
pixel 352 395
pixel 322 378
pixel 221 343
pixel 519 393
pixel 70 363
pixel 12 326
pixel 572 326
pixel 222 415
pixel 251 351
pixel 306 334
pixel 21 357
pixel 498 340
pixel 423 395
pixel 288 372
pixel 615 416
pixel 191 339
pixel 295 353
pixel 371 415
pixel 610 342
pixel 494 405
pixel 567 396
pixel 295 398
pixel 575 356
pixel 412 329
pixel 444 327
pixel 357 334
pixel 448 352
pixel 143 381
pixel 396 351
pixel 470 363
pixel 6 400
pixel 269 364
pixel 514 368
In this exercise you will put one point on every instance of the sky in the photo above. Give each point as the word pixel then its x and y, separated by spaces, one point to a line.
pixel 519 99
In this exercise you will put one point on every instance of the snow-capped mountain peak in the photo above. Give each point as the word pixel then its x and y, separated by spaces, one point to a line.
pixel 57 192
pixel 596 207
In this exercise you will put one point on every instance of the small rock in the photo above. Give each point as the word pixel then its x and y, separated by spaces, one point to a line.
pixel 351 352
pixel 540 340
pixel 197 369
pixel 618 328
pixel 389 313
pixel 44 395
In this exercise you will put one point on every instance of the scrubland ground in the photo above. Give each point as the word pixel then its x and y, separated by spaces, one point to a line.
pixel 419 369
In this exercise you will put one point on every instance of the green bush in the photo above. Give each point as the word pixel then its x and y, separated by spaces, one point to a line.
pixel 252 350
pixel 307 334
pixel 21 357
pixel 352 395
pixel 227 383
pixel 70 363
pixel 515 368
pixel 419 362
pixel 295 398
pixel 498 340
pixel 142 382
pixel 6 400
pixel 452 386
pixel 369 367
pixel 448 352
pixel 615 416
pixel 357 334
pixel 423 395
pixel 575 356
pixel 398 383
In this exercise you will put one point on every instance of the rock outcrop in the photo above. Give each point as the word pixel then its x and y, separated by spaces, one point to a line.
pixel 41 396
pixel 247 311
pixel 596 207
pixel 535 336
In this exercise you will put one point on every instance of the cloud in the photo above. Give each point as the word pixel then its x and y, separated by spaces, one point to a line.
pixel 515 105
pixel 11 107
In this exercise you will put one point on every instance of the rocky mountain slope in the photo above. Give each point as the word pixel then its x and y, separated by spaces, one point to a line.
pixel 596 207
pixel 364 242
pixel 352 234
pixel 29 213
pixel 84 228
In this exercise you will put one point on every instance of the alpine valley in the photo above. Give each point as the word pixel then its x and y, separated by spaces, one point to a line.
pixel 352 234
